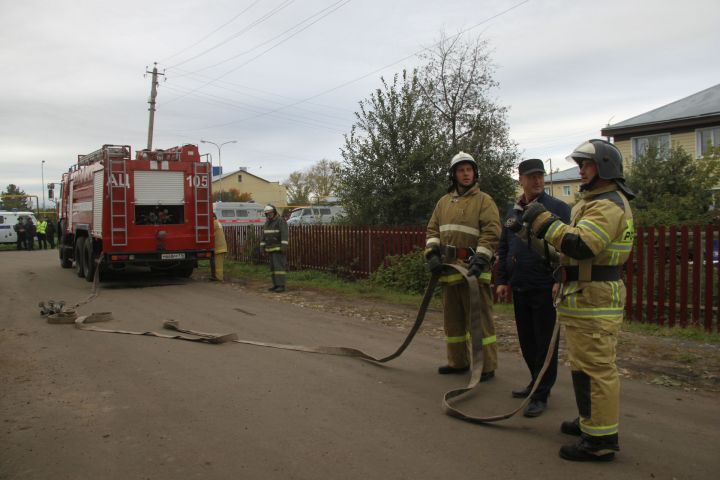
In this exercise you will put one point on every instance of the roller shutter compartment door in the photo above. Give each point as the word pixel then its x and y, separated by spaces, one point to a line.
pixel 164 188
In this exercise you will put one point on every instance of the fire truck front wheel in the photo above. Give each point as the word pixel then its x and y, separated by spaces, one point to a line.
pixel 79 256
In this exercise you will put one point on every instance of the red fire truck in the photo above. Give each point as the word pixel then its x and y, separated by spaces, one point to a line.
pixel 155 210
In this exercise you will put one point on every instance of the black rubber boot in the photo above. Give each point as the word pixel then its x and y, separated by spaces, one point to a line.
pixel 486 376
pixel 571 428
pixel 591 449
pixel 447 370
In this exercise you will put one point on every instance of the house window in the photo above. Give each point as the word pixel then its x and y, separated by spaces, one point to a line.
pixel 547 191
pixel 660 144
pixel 566 190
pixel 239 178
pixel 706 139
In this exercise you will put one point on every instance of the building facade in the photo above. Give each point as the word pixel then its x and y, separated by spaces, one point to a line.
pixel 692 123
pixel 262 191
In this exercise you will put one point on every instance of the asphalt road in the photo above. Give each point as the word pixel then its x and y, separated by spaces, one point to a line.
pixel 88 405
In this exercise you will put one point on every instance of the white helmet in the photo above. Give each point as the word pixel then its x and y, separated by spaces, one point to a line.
pixel 269 209
pixel 462 157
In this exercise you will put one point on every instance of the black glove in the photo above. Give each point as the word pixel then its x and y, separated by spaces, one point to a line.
pixel 434 262
pixel 478 264
pixel 532 212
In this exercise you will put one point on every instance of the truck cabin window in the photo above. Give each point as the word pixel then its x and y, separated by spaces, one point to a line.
pixel 159 214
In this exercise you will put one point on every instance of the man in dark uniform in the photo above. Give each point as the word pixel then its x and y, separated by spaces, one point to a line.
pixel 275 243
pixel 529 276
pixel 20 233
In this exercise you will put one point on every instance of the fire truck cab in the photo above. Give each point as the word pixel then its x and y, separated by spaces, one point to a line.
pixel 154 210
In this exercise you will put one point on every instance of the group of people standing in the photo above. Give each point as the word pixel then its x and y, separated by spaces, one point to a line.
pixel 27 231
pixel 585 292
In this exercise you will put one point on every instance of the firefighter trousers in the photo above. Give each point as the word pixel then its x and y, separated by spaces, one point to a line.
pixel 456 314
pixel 278 268
pixel 218 260
pixel 591 352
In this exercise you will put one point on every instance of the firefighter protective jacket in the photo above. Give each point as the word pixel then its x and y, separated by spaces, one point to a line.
pixel 275 234
pixel 469 220
pixel 600 233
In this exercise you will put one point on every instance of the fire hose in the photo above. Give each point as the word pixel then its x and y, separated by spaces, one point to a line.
pixel 56 313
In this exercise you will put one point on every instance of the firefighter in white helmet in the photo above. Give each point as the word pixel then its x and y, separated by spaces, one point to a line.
pixel 464 227
pixel 275 243
pixel 594 246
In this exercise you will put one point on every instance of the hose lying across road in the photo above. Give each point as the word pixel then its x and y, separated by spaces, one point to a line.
pixel 61 315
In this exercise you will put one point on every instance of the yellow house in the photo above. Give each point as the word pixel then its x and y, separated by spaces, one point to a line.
pixel 564 184
pixel 692 123
pixel 262 191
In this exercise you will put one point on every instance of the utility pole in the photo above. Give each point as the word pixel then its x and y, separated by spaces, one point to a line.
pixel 42 179
pixel 153 94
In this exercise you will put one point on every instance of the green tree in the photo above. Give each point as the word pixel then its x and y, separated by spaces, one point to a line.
pixel 13 197
pixel 393 167
pixel 673 188
pixel 232 195
pixel 323 178
pixel 298 188
pixel 457 80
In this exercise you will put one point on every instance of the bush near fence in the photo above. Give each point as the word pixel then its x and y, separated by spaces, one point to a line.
pixel 672 276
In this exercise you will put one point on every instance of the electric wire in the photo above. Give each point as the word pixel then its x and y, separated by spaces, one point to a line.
pixel 246 29
pixel 341 3
pixel 205 37
pixel 357 79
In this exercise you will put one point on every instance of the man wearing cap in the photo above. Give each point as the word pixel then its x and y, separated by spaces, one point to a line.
pixel 529 277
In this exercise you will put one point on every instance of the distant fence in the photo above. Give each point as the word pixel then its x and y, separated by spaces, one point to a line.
pixel 672 276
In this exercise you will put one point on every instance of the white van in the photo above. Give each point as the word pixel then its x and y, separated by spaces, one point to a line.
pixel 238 213
pixel 8 220
pixel 319 215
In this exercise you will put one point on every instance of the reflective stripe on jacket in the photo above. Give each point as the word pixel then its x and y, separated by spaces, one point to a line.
pixel 470 220
pixel 275 234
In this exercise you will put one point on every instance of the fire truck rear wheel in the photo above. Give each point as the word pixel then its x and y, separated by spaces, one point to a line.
pixel 65 261
pixel 89 260
pixel 79 256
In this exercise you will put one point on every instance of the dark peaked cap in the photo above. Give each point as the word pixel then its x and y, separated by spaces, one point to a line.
pixel 531 166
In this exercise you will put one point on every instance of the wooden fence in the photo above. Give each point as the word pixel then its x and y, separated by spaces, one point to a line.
pixel 672 276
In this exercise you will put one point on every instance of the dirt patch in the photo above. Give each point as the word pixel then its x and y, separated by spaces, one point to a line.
pixel 669 362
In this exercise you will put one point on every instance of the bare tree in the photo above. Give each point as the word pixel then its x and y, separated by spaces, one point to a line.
pixel 298 188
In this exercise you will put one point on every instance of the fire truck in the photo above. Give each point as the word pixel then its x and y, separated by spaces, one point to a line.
pixel 154 210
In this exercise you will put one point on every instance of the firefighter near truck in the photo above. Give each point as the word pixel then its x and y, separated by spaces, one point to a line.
pixel 154 211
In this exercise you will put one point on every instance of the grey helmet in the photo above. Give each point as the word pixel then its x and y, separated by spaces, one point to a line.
pixel 608 160
pixel 461 157
pixel 270 209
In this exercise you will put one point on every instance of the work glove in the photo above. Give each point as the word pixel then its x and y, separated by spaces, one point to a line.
pixel 478 264
pixel 433 259
pixel 536 211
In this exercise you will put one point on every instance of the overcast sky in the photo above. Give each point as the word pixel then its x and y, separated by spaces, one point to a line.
pixel 284 77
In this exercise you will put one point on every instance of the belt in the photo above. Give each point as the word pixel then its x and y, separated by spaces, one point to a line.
pixel 451 252
pixel 599 273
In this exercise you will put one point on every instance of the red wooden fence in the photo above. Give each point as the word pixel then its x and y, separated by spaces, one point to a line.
pixel 672 276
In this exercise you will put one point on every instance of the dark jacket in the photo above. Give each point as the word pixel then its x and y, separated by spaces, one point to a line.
pixel 518 266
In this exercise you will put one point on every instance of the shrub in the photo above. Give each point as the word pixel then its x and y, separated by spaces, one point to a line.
pixel 403 273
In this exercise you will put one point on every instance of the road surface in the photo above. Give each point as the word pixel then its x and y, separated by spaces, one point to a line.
pixel 88 405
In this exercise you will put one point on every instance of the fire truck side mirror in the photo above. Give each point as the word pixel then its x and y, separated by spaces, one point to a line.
pixel 51 191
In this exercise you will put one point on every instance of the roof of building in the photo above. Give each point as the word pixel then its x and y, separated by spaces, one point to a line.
pixel 695 108
pixel 572 173
pixel 242 171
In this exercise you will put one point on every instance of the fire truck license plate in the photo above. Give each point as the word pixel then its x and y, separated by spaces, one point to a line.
pixel 172 256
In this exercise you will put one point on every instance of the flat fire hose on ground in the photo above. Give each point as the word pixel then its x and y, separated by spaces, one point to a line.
pixel 476 358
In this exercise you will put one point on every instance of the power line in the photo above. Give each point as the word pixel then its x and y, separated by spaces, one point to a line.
pixel 319 12
pixel 342 85
pixel 253 24
pixel 341 3
pixel 211 33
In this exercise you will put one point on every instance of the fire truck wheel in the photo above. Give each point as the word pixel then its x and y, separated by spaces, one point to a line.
pixel 89 260
pixel 79 254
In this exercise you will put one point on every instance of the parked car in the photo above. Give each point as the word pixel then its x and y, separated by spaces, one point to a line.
pixel 238 213
pixel 319 215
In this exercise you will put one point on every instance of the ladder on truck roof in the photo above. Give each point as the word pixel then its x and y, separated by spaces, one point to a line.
pixel 117 188
pixel 203 202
